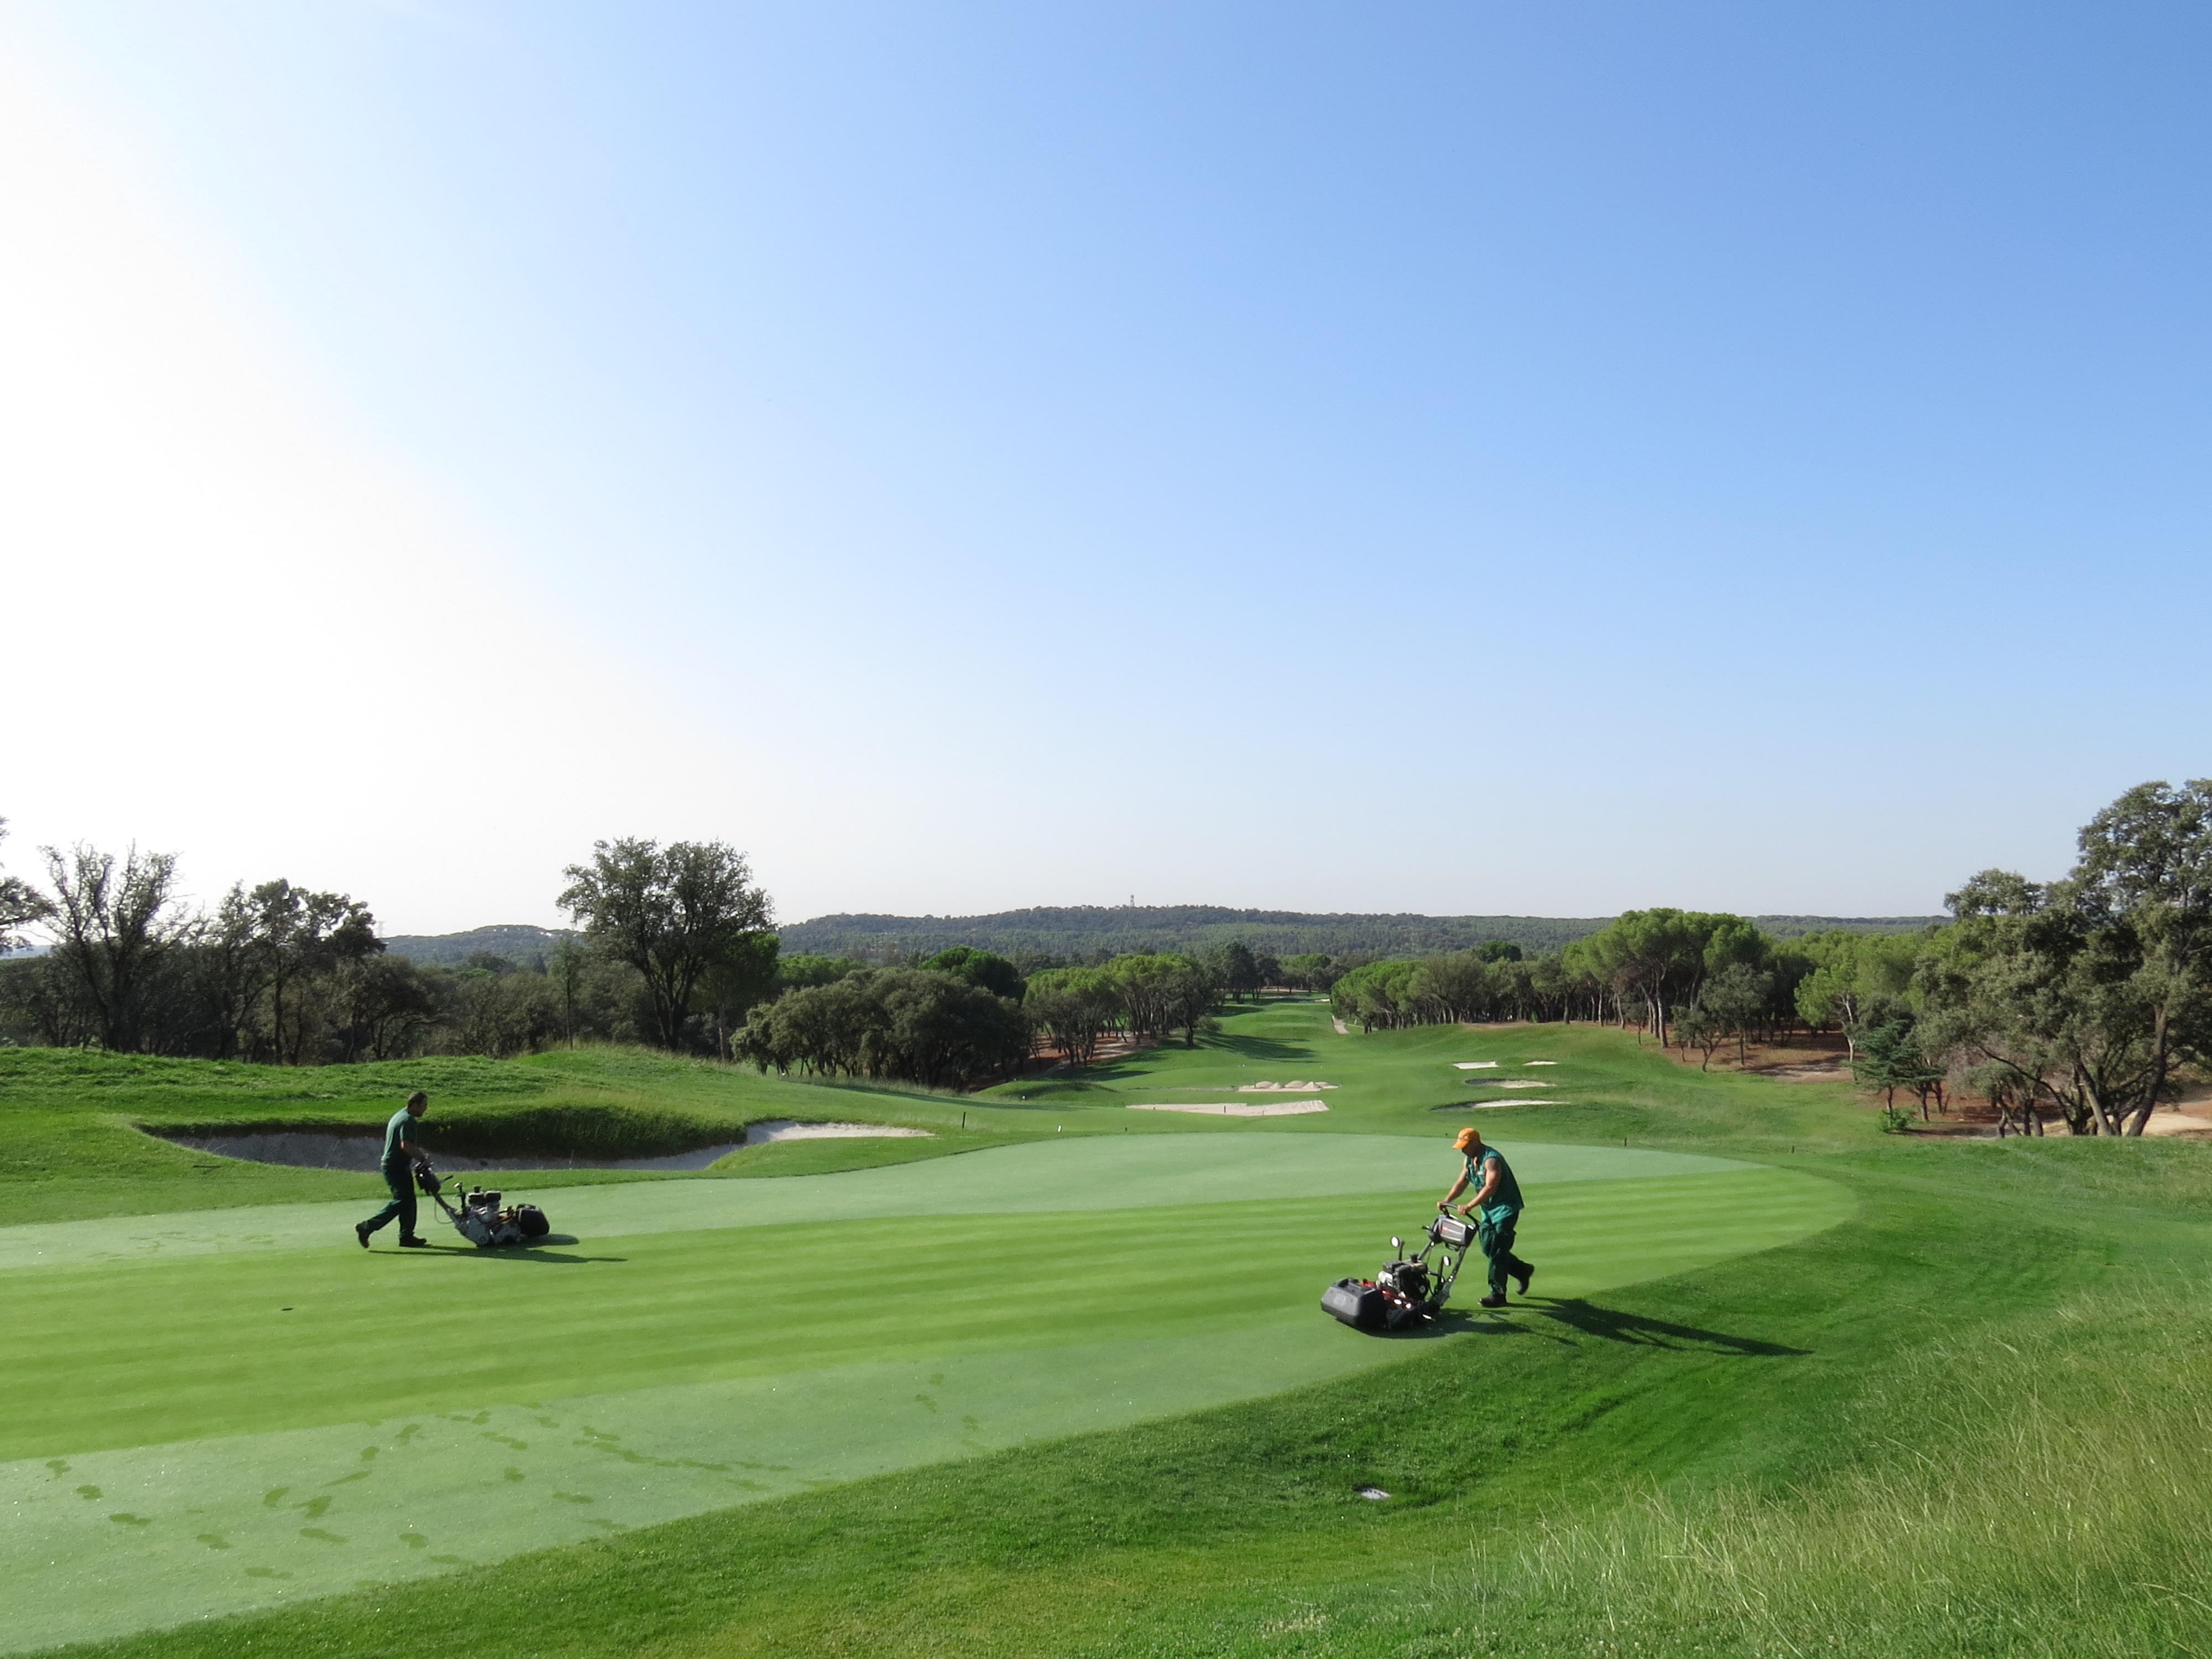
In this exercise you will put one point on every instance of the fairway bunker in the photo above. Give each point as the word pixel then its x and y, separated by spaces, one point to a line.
pixel 360 1150
pixel 1242 1107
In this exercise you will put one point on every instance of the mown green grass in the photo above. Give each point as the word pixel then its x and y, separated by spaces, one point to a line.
pixel 1970 1420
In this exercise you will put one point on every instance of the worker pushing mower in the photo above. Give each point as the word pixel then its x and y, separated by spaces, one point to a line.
pixel 482 1218
pixel 1496 1203
pixel 1408 1290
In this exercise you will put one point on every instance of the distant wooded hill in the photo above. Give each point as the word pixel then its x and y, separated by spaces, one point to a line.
pixel 1088 930
pixel 521 944
pixel 1077 932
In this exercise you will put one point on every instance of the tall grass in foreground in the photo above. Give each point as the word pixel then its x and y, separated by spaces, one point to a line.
pixel 2045 1489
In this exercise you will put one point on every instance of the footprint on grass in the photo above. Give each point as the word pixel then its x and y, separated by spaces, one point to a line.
pixel 451 1560
pixel 969 1424
pixel 265 1572
pixel 924 1399
pixel 316 1508
pixel 937 1381
pixel 516 1474
pixel 273 1497
pixel 88 1492
pixel 58 1465
pixel 319 1534
pixel 215 1541
pixel 407 1434
pixel 358 1474
pixel 413 1541
pixel 575 1497
pixel 369 1453
pixel 508 1441
pixel 131 1520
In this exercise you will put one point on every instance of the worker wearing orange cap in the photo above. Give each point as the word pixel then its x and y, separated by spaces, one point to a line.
pixel 1497 1202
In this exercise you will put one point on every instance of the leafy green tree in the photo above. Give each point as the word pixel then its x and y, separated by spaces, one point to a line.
pixel 1733 1002
pixel 20 903
pixel 298 937
pixel 986 969
pixel 1310 970
pixel 1193 991
pixel 1075 1007
pixel 796 973
pixel 2145 880
pixel 673 914
pixel 1236 967
pixel 115 923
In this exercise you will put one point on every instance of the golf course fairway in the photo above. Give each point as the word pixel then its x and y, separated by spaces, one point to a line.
pixel 215 1411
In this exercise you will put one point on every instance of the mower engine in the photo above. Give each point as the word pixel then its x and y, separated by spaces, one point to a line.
pixel 1406 1289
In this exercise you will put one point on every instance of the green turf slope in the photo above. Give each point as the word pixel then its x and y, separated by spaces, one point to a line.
pixel 278 1415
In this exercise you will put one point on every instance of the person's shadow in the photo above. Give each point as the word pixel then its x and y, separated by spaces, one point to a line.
pixel 1615 1326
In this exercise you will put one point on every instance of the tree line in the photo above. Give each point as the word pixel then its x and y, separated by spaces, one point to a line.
pixel 2080 1001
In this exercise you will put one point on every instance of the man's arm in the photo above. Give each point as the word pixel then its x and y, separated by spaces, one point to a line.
pixel 1457 1187
pixel 1489 1186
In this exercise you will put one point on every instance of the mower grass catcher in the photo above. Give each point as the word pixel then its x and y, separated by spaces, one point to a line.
pixel 1407 1289
pixel 480 1219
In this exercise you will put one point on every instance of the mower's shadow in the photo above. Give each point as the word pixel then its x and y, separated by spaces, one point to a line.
pixel 535 1252
pixel 1614 1326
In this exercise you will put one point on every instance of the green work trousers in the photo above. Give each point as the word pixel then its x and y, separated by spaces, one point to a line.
pixel 401 1183
pixel 1495 1239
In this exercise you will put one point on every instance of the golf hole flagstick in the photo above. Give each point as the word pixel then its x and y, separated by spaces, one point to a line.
pixel 480 1219
pixel 1407 1289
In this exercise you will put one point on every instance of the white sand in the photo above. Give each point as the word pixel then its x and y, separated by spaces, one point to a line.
pixel 1245 1107
pixel 1269 1088
pixel 1540 1062
pixel 1475 1065
pixel 783 1128
pixel 1518 1083
pixel 1492 1105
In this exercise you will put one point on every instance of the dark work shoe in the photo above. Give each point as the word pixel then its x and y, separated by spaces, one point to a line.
pixel 1493 1302
pixel 361 1233
pixel 1524 1275
pixel 415 1244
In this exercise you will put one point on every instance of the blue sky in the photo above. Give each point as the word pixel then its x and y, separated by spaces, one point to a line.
pixel 1449 458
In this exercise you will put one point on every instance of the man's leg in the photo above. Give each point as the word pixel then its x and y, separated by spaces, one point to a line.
pixel 402 1205
pixel 1495 1239
pixel 1513 1264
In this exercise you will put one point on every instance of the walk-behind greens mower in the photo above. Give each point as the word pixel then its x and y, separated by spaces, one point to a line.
pixel 480 1219
pixel 1407 1289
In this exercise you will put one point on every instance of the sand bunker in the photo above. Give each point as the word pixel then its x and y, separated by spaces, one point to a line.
pixel 1518 1083
pixel 1473 1065
pixel 1490 1105
pixel 1270 1088
pixel 1540 1062
pixel 1244 1108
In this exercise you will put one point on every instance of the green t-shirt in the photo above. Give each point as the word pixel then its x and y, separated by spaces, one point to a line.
pixel 401 1127
pixel 1506 1198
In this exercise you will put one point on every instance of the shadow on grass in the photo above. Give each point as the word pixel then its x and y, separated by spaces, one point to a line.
pixel 1617 1327
pixel 1257 1048
pixel 537 1253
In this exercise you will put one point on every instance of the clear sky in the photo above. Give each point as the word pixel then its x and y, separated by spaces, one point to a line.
pixel 1449 457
